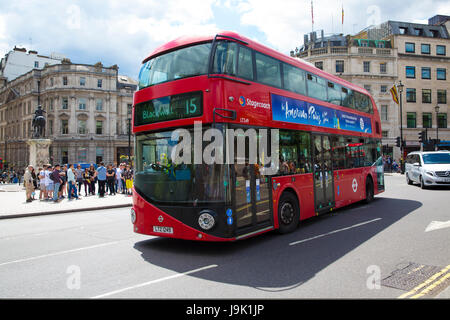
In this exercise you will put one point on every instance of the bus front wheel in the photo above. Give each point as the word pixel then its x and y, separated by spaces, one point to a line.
pixel 288 213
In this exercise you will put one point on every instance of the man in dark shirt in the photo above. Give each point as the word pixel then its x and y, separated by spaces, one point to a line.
pixel 54 176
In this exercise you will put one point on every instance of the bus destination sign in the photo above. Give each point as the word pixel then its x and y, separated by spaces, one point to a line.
pixel 174 107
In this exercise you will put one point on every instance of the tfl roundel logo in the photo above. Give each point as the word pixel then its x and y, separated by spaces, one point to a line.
pixel 242 101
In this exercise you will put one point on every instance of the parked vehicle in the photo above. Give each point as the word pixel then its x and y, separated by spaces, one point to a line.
pixel 428 168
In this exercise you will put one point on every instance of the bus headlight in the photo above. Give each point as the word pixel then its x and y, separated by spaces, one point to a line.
pixel 133 216
pixel 207 219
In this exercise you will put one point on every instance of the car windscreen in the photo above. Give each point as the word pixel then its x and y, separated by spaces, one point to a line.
pixel 436 158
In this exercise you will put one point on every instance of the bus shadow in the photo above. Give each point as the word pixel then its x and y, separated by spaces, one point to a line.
pixel 273 262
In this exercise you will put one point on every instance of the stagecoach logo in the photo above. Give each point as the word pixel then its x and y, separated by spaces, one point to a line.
pixel 251 103
pixel 160 219
pixel 242 101
pixel 354 185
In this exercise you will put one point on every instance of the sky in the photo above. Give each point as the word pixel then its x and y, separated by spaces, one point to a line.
pixel 125 32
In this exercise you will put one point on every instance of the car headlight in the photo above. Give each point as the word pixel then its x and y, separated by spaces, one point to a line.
pixel 430 173
pixel 207 219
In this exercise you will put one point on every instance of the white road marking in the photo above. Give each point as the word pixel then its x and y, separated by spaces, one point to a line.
pixel 436 225
pixel 333 232
pixel 155 281
pixel 59 253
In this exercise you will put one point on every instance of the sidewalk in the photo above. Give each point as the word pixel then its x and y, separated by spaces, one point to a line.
pixel 13 204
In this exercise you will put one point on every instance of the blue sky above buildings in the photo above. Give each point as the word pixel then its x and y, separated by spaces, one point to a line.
pixel 125 32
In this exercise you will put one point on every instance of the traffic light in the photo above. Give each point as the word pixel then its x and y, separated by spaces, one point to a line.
pixel 398 142
pixel 422 137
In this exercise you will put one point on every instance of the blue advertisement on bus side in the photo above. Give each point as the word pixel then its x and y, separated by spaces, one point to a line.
pixel 302 112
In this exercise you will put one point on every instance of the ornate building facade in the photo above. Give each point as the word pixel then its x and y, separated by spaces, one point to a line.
pixel 87 110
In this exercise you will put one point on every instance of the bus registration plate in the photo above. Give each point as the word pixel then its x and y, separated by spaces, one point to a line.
pixel 163 229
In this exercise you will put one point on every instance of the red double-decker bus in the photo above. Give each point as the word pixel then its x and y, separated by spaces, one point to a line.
pixel 324 134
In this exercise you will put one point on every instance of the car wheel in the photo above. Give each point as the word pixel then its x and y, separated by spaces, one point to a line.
pixel 408 180
pixel 422 184
pixel 288 213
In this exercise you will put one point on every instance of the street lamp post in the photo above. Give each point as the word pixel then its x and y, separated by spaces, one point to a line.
pixel 400 87
pixel 437 125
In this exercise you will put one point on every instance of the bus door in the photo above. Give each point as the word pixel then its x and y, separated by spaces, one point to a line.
pixel 251 196
pixel 323 174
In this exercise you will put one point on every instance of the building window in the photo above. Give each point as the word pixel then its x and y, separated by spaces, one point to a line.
pixel 98 155
pixel 36 64
pixel 319 65
pixel 339 66
pixel 442 120
pixel 410 47
pixel 82 81
pixel 82 127
pixel 64 126
pixel 440 74
pixel 383 89
pixel 99 105
pixel 384 133
pixel 426 73
pixel 441 96
pixel 367 87
pixel 82 104
pixel 99 127
pixel 64 155
pixel 383 67
pixel 410 95
pixel 425 48
pixel 384 112
pixel 82 155
pixel 366 66
pixel 426 95
pixel 65 81
pixel 410 72
pixel 65 103
pixel 440 50
pixel 410 119
pixel 50 127
pixel 427 120
pixel 99 83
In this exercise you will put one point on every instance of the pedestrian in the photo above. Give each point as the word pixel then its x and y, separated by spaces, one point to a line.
pixel 92 179
pixel 128 180
pixel 86 182
pixel 28 181
pixel 63 186
pixel 122 177
pixel 101 175
pixel 42 189
pixel 79 178
pixel 72 192
pixel 119 179
pixel 57 181
pixel 110 179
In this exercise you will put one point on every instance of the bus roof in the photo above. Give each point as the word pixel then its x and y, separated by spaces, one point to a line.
pixel 190 40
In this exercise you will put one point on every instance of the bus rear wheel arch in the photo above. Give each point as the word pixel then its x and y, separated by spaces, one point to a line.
pixel 288 212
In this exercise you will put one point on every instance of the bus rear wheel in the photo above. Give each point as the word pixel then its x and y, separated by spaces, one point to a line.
pixel 369 191
pixel 288 213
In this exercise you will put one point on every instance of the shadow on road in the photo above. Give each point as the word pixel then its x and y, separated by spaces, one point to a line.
pixel 268 262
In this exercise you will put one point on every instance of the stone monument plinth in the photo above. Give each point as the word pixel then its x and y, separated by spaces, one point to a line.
pixel 39 152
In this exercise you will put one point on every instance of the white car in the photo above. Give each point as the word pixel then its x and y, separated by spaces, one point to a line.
pixel 428 168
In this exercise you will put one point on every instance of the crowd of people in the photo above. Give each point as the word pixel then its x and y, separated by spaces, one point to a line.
pixel 390 164
pixel 57 182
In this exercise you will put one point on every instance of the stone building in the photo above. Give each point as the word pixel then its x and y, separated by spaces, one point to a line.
pixel 379 57
pixel 87 110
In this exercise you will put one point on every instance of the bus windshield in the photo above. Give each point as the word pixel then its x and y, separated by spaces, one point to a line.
pixel 161 180
pixel 182 63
